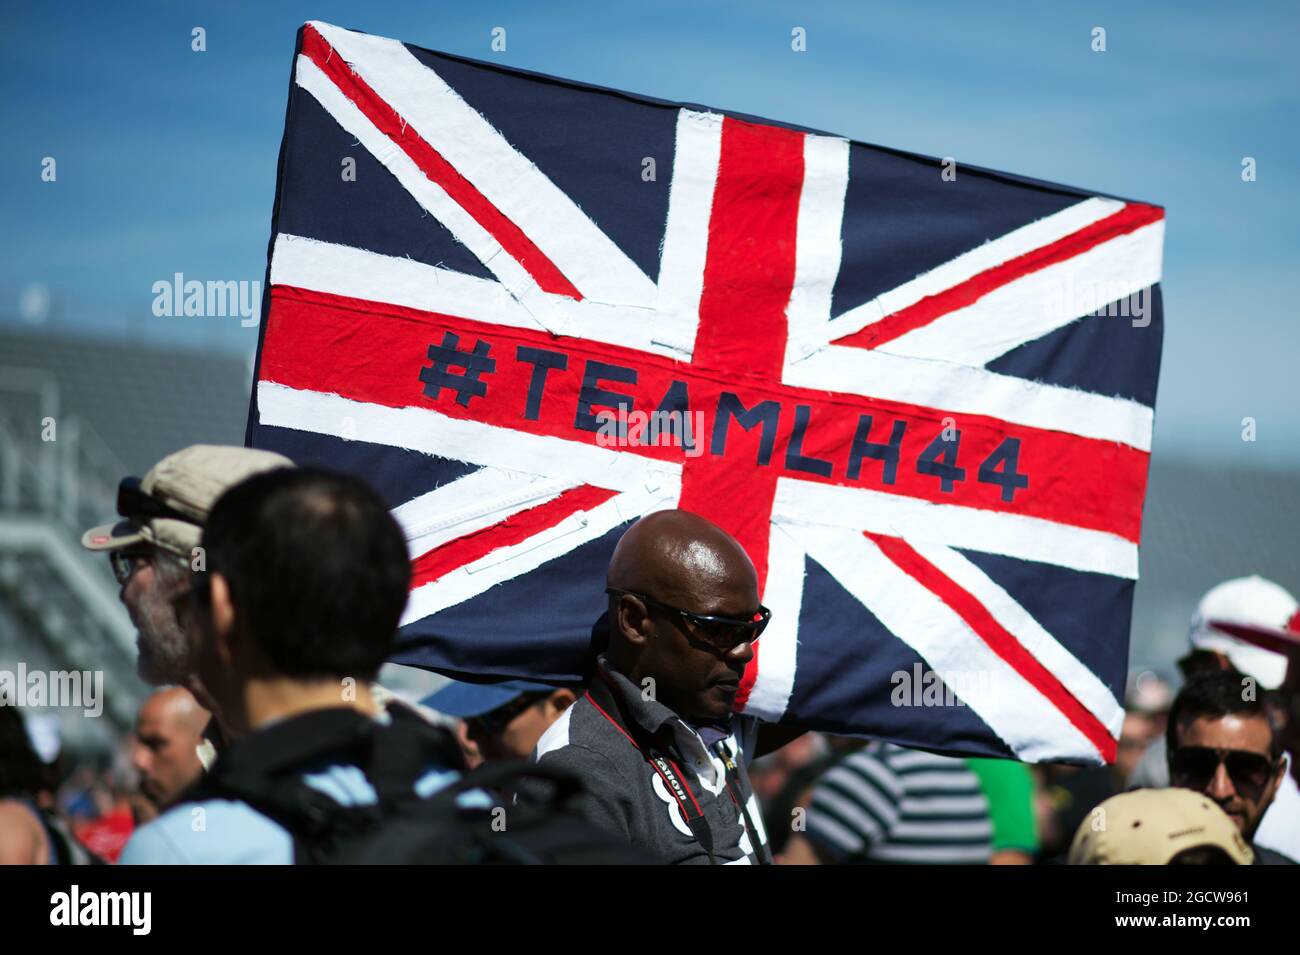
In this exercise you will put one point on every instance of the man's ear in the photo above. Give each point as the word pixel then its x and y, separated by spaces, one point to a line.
pixel 222 614
pixel 562 699
pixel 632 620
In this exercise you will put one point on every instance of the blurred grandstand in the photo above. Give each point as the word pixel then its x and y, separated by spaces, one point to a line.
pixel 110 409
pixel 119 407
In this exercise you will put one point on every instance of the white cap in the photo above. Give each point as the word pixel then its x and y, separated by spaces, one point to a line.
pixel 1251 602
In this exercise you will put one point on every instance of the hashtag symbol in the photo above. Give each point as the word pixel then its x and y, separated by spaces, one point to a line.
pixel 448 355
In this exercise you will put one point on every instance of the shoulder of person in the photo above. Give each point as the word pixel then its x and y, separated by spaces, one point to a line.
pixel 212 831
pixel 23 838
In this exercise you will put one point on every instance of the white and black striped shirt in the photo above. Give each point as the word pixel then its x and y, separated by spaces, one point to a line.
pixel 887 804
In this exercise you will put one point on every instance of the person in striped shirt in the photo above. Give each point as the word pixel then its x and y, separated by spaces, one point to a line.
pixel 887 804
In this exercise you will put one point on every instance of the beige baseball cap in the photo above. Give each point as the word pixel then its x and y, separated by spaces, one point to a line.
pixel 168 506
pixel 1151 826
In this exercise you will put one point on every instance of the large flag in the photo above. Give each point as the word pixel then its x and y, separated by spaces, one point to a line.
pixel 530 311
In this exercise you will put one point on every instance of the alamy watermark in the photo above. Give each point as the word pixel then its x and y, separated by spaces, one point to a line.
pixel 1068 300
pixel 178 297
pixel 652 429
pixel 922 687
pixel 55 688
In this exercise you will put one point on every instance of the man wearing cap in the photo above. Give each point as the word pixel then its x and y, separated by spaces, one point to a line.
pixel 1158 827
pixel 156 544
pixel 653 736
pixel 1230 631
pixel 504 720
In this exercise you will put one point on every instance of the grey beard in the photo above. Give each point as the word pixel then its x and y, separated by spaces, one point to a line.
pixel 165 656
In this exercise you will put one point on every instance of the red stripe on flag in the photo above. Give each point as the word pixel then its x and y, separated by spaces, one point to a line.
pixel 516 244
pixel 1129 219
pixel 1000 640
pixel 373 352
pixel 515 529
pixel 748 278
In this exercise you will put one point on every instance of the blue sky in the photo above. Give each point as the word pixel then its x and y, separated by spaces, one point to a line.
pixel 166 157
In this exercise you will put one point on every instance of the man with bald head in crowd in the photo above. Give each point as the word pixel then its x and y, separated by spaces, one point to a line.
pixel 654 736
pixel 168 730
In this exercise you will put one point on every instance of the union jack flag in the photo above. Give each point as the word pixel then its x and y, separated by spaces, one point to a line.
pixel 921 392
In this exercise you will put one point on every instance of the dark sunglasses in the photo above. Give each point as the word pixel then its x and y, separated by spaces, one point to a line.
pixel 134 504
pixel 1195 766
pixel 723 634
pixel 495 721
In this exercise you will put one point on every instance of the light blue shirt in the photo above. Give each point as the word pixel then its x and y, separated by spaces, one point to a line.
pixel 229 832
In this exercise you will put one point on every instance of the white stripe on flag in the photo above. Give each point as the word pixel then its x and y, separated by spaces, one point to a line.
pixel 1013 535
pixel 778 646
pixel 422 429
pixel 510 181
pixel 817 245
pixel 1035 235
pixel 471 503
pixel 1082 683
pixel 358 273
pixel 507 563
pixel 686 234
pixel 961 389
pixel 1041 302
pixel 1013 709
pixel 431 196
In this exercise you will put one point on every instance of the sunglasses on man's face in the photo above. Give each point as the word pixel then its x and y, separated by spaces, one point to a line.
pixel 720 633
pixel 1196 766
pixel 495 721
pixel 127 561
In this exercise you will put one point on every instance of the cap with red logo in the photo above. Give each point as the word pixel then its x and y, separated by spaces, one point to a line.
pixel 168 506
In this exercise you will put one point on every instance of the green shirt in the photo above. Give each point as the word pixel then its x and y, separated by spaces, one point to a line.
pixel 1009 787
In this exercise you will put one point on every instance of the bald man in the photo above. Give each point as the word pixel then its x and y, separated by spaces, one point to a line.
pixel 654 736
pixel 168 731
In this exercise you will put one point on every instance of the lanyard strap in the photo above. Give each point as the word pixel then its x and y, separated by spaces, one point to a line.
pixel 681 790
pixel 761 850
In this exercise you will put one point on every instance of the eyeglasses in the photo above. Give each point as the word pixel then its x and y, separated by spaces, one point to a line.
pixel 1195 766
pixel 127 561
pixel 722 634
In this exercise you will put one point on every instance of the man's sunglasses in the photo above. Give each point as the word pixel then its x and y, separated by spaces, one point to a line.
pixel 133 503
pixel 494 722
pixel 1195 766
pixel 720 633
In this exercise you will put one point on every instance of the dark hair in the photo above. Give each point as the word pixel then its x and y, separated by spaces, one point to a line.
pixel 22 774
pixel 317 568
pixel 1214 696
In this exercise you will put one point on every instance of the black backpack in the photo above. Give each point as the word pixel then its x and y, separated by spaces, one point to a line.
pixel 265 771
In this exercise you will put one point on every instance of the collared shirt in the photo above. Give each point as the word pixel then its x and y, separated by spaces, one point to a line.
pixel 607 736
